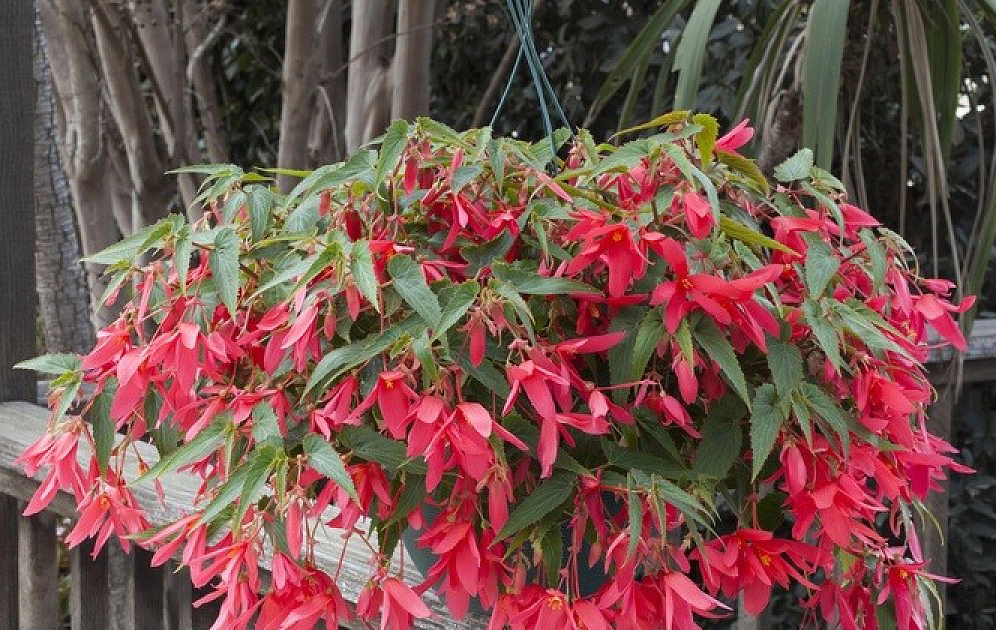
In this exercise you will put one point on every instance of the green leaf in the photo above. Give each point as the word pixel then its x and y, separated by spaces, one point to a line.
pixel 821 266
pixel 442 133
pixel 206 169
pixel 323 458
pixel 635 516
pixel 409 282
pixel 362 267
pixel 718 347
pixel 722 438
pixel 735 229
pixel 261 200
pixel 647 39
pixel 360 164
pixel 826 36
pixel 544 499
pixel 824 331
pixel 706 139
pixel 347 357
pixel 628 458
pixel 232 205
pixel 224 261
pixel 182 251
pixel 785 363
pixel 53 364
pixel 480 256
pixel 203 444
pixel 877 258
pixel 552 547
pixel 464 175
pixel 228 491
pixel 746 167
pixel 691 52
pixel 264 422
pixel 371 446
pixel 827 409
pixel 103 426
pixel 459 303
pixel 261 464
pixel 648 335
pixel 766 421
pixel 796 167
pixel 304 217
pixel 391 149
pixel 529 283
pixel 128 248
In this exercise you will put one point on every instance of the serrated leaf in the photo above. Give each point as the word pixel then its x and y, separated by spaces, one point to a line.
pixel 232 205
pixel 552 547
pixel 361 163
pixel 796 167
pixel 629 458
pixel 203 444
pixel 323 458
pixel 53 364
pixel 391 148
pixel 648 335
pixel 443 133
pixel 362 267
pixel 482 255
pixel 718 347
pixel 785 363
pixel 722 439
pixel 369 445
pixel 464 175
pixel 635 516
pixel 529 283
pixel 224 261
pixel 746 167
pixel 261 201
pixel 243 483
pixel 821 266
pixel 461 299
pixel 128 248
pixel 304 217
pixel 827 409
pixel 741 232
pixel 824 331
pixel 206 169
pixel 103 426
pixel 183 249
pixel 347 357
pixel 409 282
pixel 766 421
pixel 706 139
pixel 265 425
pixel 543 500
pixel 877 258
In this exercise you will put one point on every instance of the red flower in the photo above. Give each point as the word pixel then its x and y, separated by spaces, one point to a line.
pixel 613 246
pixel 394 601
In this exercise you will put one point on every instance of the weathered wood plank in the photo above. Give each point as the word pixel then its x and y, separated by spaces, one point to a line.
pixel 120 587
pixel 9 511
pixel 22 423
pixel 149 595
pixel 88 589
pixel 38 566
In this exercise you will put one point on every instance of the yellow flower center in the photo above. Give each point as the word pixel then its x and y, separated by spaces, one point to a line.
pixel 765 559
pixel 617 237
pixel 686 284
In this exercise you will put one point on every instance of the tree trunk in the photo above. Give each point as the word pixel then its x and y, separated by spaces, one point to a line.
pixel 299 80
pixel 62 294
pixel 412 54
pixel 17 225
pixel 368 94
pixel 326 143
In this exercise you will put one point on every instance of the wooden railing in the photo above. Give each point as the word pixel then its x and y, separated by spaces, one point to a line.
pixel 118 590
pixel 121 591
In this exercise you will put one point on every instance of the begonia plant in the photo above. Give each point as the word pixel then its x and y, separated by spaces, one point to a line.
pixel 644 360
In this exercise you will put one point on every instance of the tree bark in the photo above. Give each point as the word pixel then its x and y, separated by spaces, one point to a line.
pixel 17 225
pixel 200 75
pixel 412 57
pixel 62 294
pixel 326 143
pixel 300 77
pixel 368 94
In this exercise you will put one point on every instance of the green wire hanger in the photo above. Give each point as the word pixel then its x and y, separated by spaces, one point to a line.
pixel 521 14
